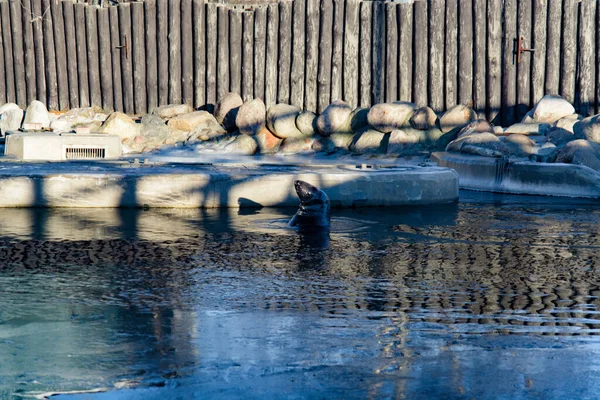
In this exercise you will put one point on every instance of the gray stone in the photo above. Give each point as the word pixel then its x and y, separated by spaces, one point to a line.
pixel 369 141
pixel 588 129
pixel 438 140
pixel 281 121
pixel 478 126
pixel 407 140
pixel 359 119
pixel 389 116
pixel 243 145
pixel 227 109
pixel 77 117
pixel 456 117
pixel 337 141
pixel 545 155
pixel 207 128
pixel 424 119
pixel 59 126
pixel 582 152
pixel 121 125
pixel 297 145
pixel 484 144
pixel 37 114
pixel 306 122
pixel 172 110
pixel 568 122
pixel 190 121
pixel 251 117
pixel 9 106
pixel 536 128
pixel 519 145
pixel 528 118
pixel 267 142
pixel 551 108
pixel 559 136
pixel 10 120
pixel 335 118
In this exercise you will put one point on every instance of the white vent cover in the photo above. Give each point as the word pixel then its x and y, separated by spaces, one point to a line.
pixel 55 147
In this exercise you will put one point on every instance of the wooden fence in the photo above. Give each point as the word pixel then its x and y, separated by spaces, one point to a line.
pixel 138 55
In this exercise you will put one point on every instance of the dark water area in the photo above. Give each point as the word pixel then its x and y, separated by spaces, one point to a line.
pixel 494 297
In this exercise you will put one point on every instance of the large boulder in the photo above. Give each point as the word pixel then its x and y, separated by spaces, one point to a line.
pixel 551 108
pixel 10 120
pixel 78 116
pixel 407 140
pixel 37 114
pixel 297 145
pixel 359 119
pixel 337 141
pixel 227 109
pixel 477 126
pixel 243 145
pixel 582 152
pixel 568 122
pixel 424 119
pixel 190 121
pixel 267 142
pixel 153 134
pixel 535 128
pixel 172 110
pixel 369 141
pixel 335 118
pixel 519 145
pixel 306 122
pixel 9 106
pixel 559 136
pixel 251 117
pixel 482 144
pixel 588 129
pixel 389 116
pixel 206 128
pixel 281 121
pixel 121 125
pixel 456 117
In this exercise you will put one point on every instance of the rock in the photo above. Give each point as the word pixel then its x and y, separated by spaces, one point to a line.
pixel 389 116
pixel 485 144
pixel 88 127
pixel 359 119
pixel 424 119
pixel 121 125
pixel 306 122
pixel 337 141
pixel 251 117
pixel 477 126
pixel 190 121
pixel 172 110
pixel 37 114
pixel 519 145
pixel 559 136
pixel 267 142
pixel 297 145
pixel 335 118
pixel 536 128
pixel 227 109
pixel 568 122
pixel 528 118
pixel 436 139
pixel 369 141
pixel 498 130
pixel 582 152
pixel 403 141
pixel 207 129
pixel 588 129
pixel 281 121
pixel 551 108
pixel 9 106
pixel 10 120
pixel 59 126
pixel 78 116
pixel 154 133
pixel 243 145
pixel 545 155
pixel 457 116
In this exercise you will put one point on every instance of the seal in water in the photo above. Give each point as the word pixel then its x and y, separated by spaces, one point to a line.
pixel 314 212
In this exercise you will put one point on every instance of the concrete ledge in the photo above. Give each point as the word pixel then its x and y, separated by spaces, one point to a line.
pixel 188 186
pixel 58 147
pixel 523 177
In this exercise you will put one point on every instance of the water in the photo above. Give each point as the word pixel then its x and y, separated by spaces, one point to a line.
pixel 494 297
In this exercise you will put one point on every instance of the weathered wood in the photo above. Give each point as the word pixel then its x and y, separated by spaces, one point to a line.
pixel 421 46
pixel 187 53
pixel 49 56
pixel 337 61
pixel 18 54
pixel 115 42
pixel 494 63
pixel 68 9
pixel 162 46
pixel 199 23
pixel 82 61
pixel 223 52
pixel 260 51
pixel 351 34
pixel 465 52
pixel 406 52
pixel 151 54
pixel 451 54
pixel 91 24
pixel 391 62
pixel 38 49
pixel 175 52
pixel 28 49
pixel 106 80
pixel 538 73
pixel 2 65
pixel 312 55
pixel 61 56
pixel 479 80
pixel 524 67
pixel 366 28
pixel 248 56
pixel 126 57
pixel 569 50
pixel 298 54
pixel 138 26
pixel 272 59
pixel 325 53
pixel 235 51
pixel 285 51
pixel 587 58
pixel 597 59
pixel 553 56
pixel 436 55
pixel 378 54
pixel 509 68
pixel 211 56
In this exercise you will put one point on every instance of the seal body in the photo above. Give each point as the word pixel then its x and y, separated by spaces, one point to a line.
pixel 314 212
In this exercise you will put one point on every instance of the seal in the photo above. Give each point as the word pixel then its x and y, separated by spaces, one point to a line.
pixel 314 212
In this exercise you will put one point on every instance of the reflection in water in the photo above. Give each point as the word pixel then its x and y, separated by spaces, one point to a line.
pixel 445 301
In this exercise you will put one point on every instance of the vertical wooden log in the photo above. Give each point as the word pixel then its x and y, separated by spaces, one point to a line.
pixel 91 24
pixel 151 54
pixel 378 63
pixel 587 57
pixel 509 68
pixel 105 54
pixel 406 52
pixel 421 47
pixel 312 55
pixel 175 52
pixel 524 67
pixel 325 53
pixel 366 29
pixel 298 54
pixel 49 56
pixel 391 61
pixel 138 27
pixel 18 53
pixel 82 62
pixel 597 59
pixel 451 54
pixel 68 9
pixel 285 51
pixel 480 37
pixel 61 56
pixel 260 51
pixel 538 74
pixel 248 56
pixel 436 55
pixel 337 61
pixel 271 68
pixel 2 64
pixel 199 54
pixel 223 52
pixel 553 53
pixel 465 52
pixel 162 45
pixel 211 56
pixel 115 42
pixel 351 33
pixel 235 51
pixel 29 65
pixel 187 53
pixel 494 64
pixel 126 57
pixel 569 50
pixel 38 50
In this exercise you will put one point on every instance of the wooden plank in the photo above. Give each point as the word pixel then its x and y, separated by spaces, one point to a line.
pixel 175 52
pixel 211 56
pixel 351 34
pixel 125 35
pixel 509 68
pixel 61 59
pixel 260 51
pixel 28 49
pixel 248 56
pixel 115 42
pixel 480 37
pixel 366 28
pixel 49 56
pixel 105 57
pixel 587 58
pixel 569 50
pixel 312 55
pixel 494 65
pixel 138 43
pixel 436 55
pixel 223 52
pixel 235 51
pixel 378 53
pixel 406 52
pixel 162 46
pixel 553 52
pixel 465 52
pixel 187 53
pixel 91 24
pixel 12 74
pixel 18 53
pixel 199 54
pixel 272 59
pixel 538 72
pixel 391 51
pixel 82 61
pixel 524 67
pixel 451 54
pixel 285 51
pixel 298 54
pixel 325 53
pixel 421 46
pixel 68 9
pixel 597 58
pixel 150 16
pixel 2 65
pixel 337 61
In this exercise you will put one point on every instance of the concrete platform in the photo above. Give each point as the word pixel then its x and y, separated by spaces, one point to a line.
pixel 124 184
pixel 522 177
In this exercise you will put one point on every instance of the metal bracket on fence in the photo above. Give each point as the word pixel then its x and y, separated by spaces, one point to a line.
pixel 521 48
pixel 124 46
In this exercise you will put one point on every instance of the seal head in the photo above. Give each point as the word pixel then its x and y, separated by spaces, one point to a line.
pixel 314 211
